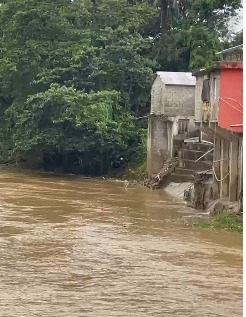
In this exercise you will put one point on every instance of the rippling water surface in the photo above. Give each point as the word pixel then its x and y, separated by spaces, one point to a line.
pixel 76 247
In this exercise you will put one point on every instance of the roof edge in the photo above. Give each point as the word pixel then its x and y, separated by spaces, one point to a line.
pixel 218 66
pixel 231 49
pixel 170 78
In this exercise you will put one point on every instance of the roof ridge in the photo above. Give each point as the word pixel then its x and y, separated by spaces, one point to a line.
pixel 177 78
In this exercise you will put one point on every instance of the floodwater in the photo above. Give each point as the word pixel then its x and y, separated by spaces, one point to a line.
pixel 77 247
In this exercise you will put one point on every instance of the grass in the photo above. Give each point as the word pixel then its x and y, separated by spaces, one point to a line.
pixel 229 222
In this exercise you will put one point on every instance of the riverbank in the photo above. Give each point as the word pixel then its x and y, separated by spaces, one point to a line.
pixel 229 222
pixel 228 217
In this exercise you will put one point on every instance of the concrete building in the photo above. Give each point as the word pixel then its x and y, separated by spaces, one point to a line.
pixel 219 111
pixel 172 113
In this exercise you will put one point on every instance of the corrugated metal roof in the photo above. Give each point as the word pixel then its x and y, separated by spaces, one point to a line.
pixel 177 78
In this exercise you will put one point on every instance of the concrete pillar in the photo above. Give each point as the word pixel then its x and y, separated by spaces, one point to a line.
pixel 170 137
pixel 233 186
pixel 225 168
pixel 240 168
pixel 175 127
pixel 157 144
pixel 221 168
pixel 191 125
pixel 216 165
pixel 240 198
pixel 149 145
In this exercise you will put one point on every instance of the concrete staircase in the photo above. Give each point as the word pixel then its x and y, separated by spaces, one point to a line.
pixel 188 154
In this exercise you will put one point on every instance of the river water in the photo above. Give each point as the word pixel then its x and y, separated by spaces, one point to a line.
pixel 77 247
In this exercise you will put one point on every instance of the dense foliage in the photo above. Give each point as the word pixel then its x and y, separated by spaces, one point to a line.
pixel 73 74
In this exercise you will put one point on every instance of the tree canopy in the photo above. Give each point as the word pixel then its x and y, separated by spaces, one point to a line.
pixel 74 73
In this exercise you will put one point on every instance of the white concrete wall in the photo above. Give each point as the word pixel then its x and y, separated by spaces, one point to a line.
pixel 156 96
pixel 172 100
pixel 179 100
pixel 157 144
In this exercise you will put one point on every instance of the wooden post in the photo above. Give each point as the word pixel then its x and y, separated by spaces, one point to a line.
pixel 240 168
pixel 216 165
pixel 225 168
pixel 233 169
pixel 221 167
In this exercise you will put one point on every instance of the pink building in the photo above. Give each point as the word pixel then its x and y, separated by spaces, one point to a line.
pixel 219 112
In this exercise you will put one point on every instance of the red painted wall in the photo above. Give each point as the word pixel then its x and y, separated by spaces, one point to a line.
pixel 230 111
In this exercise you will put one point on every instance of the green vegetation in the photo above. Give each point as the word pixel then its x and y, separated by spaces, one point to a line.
pixel 230 222
pixel 75 74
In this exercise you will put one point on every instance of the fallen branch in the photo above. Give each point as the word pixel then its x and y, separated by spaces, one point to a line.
pixel 158 180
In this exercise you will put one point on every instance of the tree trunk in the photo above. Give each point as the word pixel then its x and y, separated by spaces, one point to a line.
pixel 158 180
pixel 164 17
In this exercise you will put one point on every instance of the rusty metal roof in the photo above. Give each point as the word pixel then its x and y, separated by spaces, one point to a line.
pixel 177 78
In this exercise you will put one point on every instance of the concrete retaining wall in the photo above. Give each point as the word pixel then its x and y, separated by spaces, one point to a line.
pixel 157 147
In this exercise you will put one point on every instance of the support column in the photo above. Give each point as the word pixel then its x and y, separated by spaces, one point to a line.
pixel 221 167
pixel 170 137
pixel 216 165
pixel 149 146
pixel 157 144
pixel 240 168
pixel 225 168
pixel 233 169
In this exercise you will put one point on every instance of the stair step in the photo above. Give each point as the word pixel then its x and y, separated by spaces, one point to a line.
pixel 177 178
pixel 195 154
pixel 188 135
pixel 207 176
pixel 198 146
pixel 195 166
pixel 184 171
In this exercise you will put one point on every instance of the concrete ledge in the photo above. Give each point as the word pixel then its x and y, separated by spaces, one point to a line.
pixel 177 189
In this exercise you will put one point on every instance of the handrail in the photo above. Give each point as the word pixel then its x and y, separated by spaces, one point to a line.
pixel 216 177
pixel 204 141
pixel 204 155
pixel 207 142
pixel 224 159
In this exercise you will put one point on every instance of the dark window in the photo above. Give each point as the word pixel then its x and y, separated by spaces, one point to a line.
pixel 183 126
pixel 206 90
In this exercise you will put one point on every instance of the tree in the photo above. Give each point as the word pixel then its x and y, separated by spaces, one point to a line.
pixel 68 121
pixel 74 73
pixel 70 44
pixel 233 40
pixel 191 32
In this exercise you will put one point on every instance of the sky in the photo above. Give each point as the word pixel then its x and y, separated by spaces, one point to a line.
pixel 237 23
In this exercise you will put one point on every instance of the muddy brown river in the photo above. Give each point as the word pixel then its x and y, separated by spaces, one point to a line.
pixel 77 247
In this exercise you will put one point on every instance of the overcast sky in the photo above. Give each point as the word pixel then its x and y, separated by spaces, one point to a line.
pixel 237 23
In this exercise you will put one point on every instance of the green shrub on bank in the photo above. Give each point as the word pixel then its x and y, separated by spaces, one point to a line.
pixel 138 171
pixel 230 222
